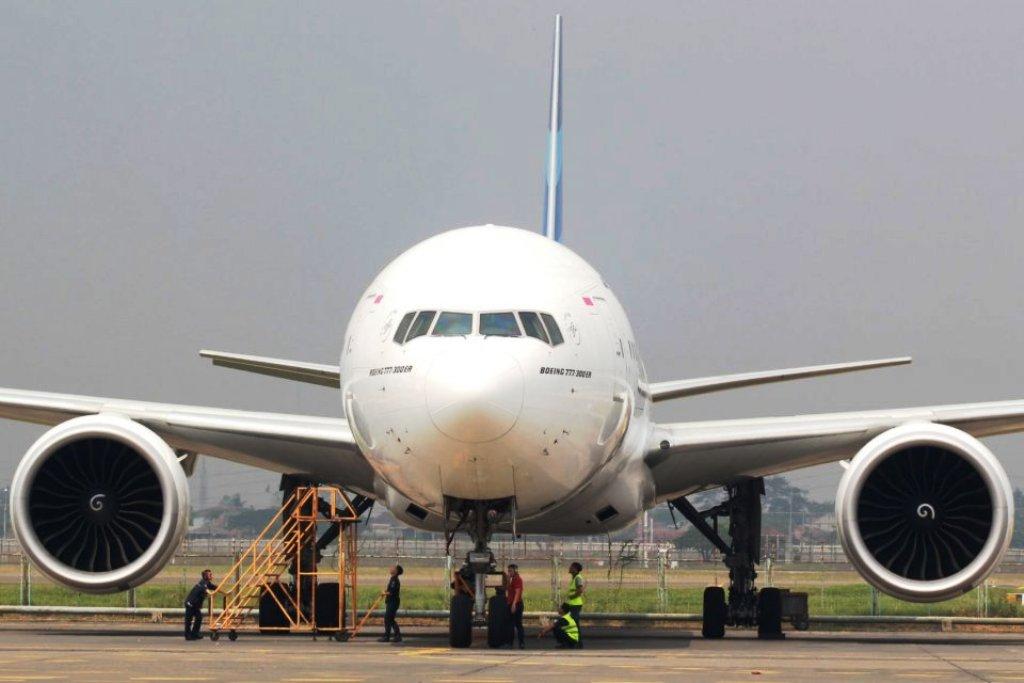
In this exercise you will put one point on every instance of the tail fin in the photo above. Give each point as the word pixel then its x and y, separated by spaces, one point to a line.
pixel 553 179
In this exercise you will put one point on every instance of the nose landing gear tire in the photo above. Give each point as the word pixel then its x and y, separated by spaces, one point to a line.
pixel 499 622
pixel 714 612
pixel 460 621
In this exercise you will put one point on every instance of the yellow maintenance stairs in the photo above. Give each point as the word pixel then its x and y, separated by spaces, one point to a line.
pixel 290 551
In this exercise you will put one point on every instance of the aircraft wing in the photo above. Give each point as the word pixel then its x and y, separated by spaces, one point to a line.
pixel 688 456
pixel 299 371
pixel 296 444
pixel 662 391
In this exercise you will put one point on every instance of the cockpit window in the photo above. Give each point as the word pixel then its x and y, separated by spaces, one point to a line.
pixel 421 325
pixel 540 326
pixel 403 326
pixel 553 331
pixel 499 325
pixel 453 324
pixel 533 326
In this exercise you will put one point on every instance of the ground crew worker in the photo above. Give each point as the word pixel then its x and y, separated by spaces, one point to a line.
pixel 194 605
pixel 567 633
pixel 574 598
pixel 515 604
pixel 392 599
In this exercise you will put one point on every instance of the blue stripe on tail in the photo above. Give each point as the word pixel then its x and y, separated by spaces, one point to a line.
pixel 553 178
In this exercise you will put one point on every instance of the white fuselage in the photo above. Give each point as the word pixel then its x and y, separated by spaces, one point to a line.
pixel 482 416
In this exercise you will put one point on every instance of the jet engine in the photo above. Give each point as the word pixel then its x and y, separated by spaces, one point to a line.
pixel 924 512
pixel 99 503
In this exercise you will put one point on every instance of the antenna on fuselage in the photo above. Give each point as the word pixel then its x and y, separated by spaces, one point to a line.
pixel 553 178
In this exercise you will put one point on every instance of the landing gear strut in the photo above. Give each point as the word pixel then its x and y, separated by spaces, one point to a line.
pixel 745 605
pixel 469 604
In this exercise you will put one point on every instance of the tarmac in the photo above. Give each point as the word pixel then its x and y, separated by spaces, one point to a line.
pixel 56 651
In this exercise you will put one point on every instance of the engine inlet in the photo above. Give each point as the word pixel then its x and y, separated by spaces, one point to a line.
pixel 96 505
pixel 924 513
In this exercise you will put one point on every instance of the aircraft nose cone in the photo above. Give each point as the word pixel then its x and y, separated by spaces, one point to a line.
pixel 475 395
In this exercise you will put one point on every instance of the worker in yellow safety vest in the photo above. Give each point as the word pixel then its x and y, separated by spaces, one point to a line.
pixel 574 598
pixel 567 633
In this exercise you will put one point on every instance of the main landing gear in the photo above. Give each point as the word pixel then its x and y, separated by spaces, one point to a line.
pixel 469 604
pixel 744 605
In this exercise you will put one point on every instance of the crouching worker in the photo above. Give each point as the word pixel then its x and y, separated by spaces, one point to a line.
pixel 567 634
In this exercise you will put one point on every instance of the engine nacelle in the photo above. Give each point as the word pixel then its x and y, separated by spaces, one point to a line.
pixel 99 503
pixel 924 512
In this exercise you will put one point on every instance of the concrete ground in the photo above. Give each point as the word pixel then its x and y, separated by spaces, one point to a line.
pixel 42 651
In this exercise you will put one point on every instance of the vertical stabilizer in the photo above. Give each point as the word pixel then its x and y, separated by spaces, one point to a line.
pixel 553 178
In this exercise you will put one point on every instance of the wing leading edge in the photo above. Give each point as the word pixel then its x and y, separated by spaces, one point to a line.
pixel 298 371
pixel 662 391
pixel 297 444
pixel 688 456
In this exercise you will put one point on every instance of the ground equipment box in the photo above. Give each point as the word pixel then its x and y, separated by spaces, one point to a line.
pixel 794 609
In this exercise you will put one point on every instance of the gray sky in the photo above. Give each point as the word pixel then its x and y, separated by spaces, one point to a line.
pixel 764 185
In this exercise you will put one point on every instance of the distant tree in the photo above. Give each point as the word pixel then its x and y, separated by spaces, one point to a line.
pixel 232 501
pixel 780 495
pixel 661 515
pixel 247 521
pixel 694 539
pixel 783 504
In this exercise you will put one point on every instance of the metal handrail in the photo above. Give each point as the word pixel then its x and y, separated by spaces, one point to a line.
pixel 266 558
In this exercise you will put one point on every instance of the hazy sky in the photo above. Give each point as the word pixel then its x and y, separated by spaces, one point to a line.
pixel 763 184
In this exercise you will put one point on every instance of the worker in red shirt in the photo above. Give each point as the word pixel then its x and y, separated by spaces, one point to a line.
pixel 514 595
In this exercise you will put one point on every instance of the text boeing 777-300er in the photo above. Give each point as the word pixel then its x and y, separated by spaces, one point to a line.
pixel 490 381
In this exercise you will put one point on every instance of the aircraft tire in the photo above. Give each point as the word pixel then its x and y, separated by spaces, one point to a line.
pixel 460 621
pixel 713 625
pixel 499 622
pixel 769 613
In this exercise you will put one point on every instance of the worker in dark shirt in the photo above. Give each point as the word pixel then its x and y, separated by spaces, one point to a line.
pixel 194 605
pixel 515 603
pixel 567 634
pixel 392 599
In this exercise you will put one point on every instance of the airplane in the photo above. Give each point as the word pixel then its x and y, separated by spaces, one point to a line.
pixel 490 382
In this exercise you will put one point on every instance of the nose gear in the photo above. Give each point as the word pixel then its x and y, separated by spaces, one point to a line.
pixel 469 604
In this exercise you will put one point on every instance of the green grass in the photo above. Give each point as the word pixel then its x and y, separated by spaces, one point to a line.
pixel 848 600
pixel 151 595
pixel 828 600
pixel 423 587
